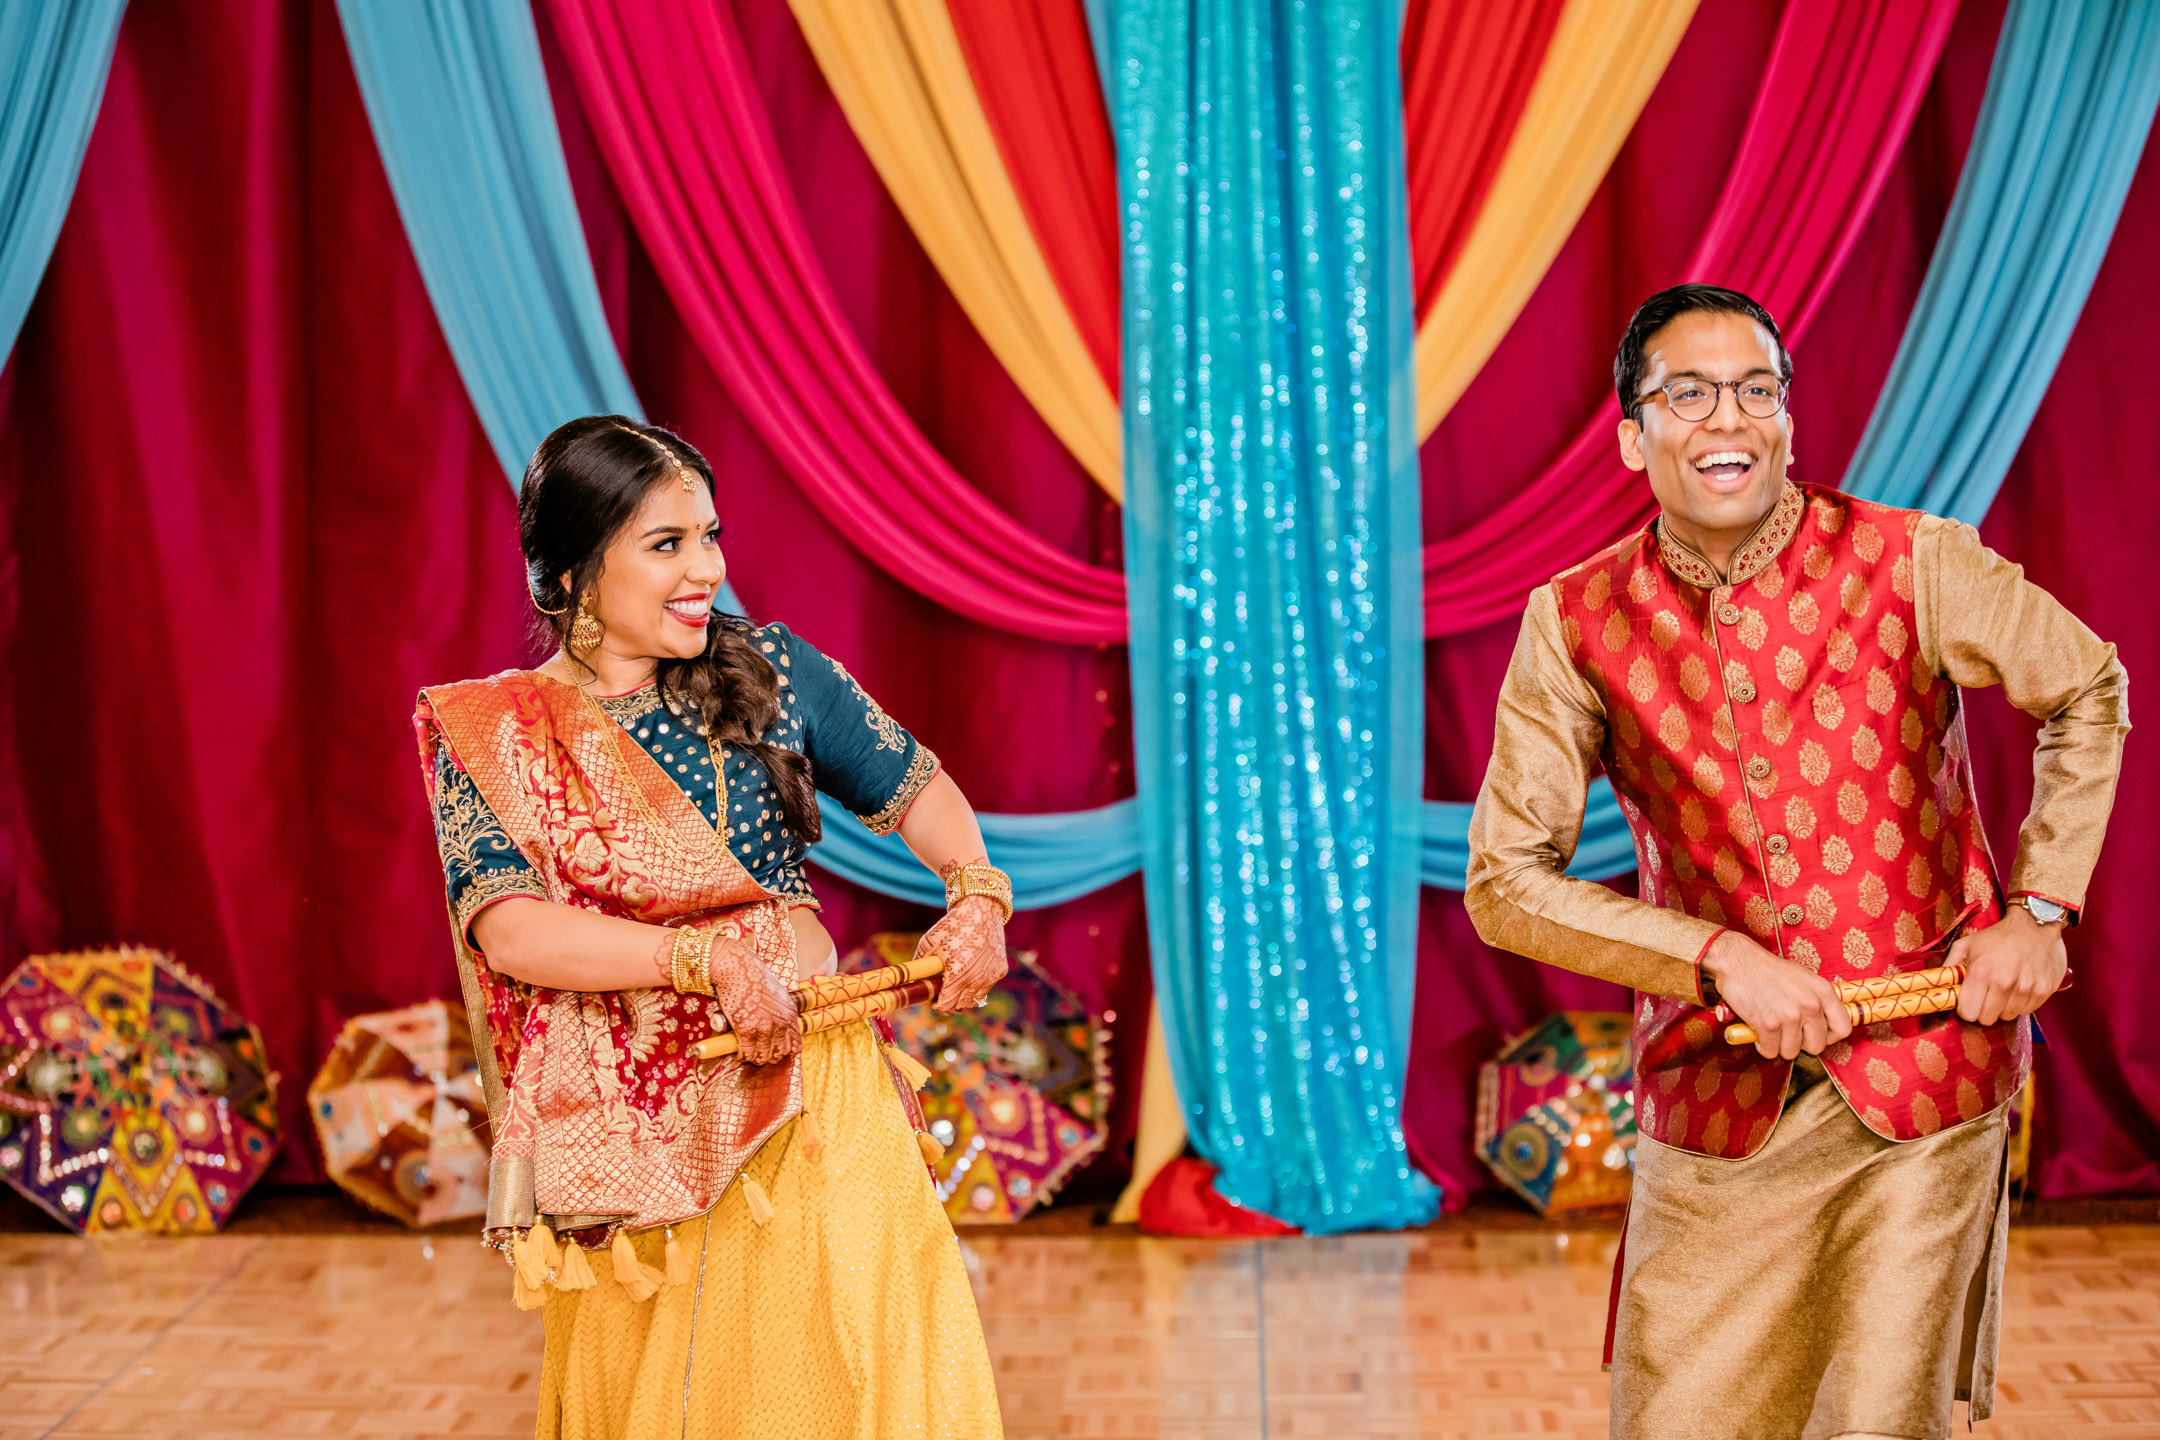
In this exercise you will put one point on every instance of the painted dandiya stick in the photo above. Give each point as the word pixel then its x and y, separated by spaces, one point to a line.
pixel 832 989
pixel 830 1017
pixel 1886 997
pixel 1853 991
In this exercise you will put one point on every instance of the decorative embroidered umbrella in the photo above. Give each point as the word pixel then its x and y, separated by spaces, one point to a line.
pixel 1019 1090
pixel 1556 1112
pixel 131 1097
pixel 398 1109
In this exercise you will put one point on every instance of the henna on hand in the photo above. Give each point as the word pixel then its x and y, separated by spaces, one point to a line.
pixel 971 937
pixel 756 1002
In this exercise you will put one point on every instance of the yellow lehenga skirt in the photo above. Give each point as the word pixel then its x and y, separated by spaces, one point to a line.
pixel 846 1316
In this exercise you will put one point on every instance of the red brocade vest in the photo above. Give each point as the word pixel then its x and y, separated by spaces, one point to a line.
pixel 1792 768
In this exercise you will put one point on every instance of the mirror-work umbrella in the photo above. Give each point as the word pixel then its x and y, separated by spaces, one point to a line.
pixel 398 1109
pixel 131 1097
pixel 1019 1090
pixel 1556 1112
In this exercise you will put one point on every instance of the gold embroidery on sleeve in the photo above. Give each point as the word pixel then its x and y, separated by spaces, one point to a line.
pixel 921 770
pixel 492 885
pixel 890 735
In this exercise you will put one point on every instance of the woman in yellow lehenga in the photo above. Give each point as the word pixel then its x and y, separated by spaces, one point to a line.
pixel 742 1247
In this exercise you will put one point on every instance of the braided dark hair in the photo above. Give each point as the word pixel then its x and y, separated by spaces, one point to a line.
pixel 583 485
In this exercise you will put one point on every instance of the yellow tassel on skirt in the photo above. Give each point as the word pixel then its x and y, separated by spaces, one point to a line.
pixel 845 1316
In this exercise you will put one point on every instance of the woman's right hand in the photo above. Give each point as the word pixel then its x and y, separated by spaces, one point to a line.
pixel 756 1002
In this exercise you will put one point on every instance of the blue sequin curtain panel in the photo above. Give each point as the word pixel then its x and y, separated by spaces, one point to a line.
pixel 1272 548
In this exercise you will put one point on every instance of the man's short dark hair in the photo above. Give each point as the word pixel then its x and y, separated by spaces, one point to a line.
pixel 1660 310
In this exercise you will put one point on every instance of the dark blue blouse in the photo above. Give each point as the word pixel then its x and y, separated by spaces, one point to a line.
pixel 858 754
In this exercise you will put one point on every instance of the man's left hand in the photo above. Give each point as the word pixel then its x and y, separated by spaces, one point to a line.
pixel 2010 968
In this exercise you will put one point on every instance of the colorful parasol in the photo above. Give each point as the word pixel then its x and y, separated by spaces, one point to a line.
pixel 1019 1090
pixel 131 1097
pixel 401 1117
pixel 1556 1112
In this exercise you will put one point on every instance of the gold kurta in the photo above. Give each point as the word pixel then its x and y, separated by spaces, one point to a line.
pixel 1834 1283
pixel 1866 1295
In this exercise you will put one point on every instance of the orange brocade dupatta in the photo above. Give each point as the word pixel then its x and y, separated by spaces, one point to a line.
pixel 601 1115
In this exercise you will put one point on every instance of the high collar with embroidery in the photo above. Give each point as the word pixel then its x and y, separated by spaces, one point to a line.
pixel 1772 535
pixel 631 706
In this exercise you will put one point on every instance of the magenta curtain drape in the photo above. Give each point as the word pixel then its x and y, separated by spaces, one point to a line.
pixel 678 117
pixel 252 512
pixel 1832 109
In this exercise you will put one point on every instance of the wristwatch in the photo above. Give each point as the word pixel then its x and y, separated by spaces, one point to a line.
pixel 2047 912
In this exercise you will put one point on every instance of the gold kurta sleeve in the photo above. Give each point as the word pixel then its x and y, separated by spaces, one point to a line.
pixel 1981 622
pixel 1529 818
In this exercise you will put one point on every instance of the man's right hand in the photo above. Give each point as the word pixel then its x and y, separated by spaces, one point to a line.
pixel 1789 1007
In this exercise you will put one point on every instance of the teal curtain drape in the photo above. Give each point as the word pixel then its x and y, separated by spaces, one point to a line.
pixel 2069 103
pixel 54 57
pixel 1052 858
pixel 1271 528
pixel 458 100
pixel 1058 857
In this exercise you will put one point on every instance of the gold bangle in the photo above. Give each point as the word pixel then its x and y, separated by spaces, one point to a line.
pixel 980 879
pixel 691 960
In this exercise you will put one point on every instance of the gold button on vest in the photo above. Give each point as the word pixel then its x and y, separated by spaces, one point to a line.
pixel 1728 614
pixel 1777 844
pixel 1743 691
pixel 1793 915
pixel 1759 767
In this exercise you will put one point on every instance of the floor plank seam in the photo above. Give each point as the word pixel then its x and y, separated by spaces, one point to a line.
pixel 152 1343
pixel 1259 1253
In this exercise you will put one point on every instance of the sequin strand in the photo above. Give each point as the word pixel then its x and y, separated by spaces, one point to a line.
pixel 1272 544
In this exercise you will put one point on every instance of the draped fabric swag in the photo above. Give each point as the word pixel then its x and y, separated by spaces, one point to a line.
pixel 686 138
pixel 898 70
pixel 1034 67
pixel 1840 90
pixel 2069 104
pixel 1603 60
pixel 458 100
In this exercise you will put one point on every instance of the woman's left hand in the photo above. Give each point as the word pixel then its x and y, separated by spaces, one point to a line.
pixel 971 937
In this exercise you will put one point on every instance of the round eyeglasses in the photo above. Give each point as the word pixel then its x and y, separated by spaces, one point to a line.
pixel 1761 396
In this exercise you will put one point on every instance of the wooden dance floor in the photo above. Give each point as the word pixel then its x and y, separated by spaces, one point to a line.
pixel 1476 1334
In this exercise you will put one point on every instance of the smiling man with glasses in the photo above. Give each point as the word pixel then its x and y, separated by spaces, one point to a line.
pixel 1770 674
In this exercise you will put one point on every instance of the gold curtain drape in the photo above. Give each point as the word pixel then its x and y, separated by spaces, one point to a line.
pixel 899 73
pixel 1605 58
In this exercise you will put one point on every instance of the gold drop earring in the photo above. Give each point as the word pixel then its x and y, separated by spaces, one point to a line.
pixel 585 630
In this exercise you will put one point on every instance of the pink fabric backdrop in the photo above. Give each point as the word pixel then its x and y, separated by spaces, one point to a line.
pixel 671 98
pixel 245 511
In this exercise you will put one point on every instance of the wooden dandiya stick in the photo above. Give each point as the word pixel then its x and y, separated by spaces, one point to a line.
pixel 830 1017
pixel 832 989
pixel 1886 997
pixel 1853 991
